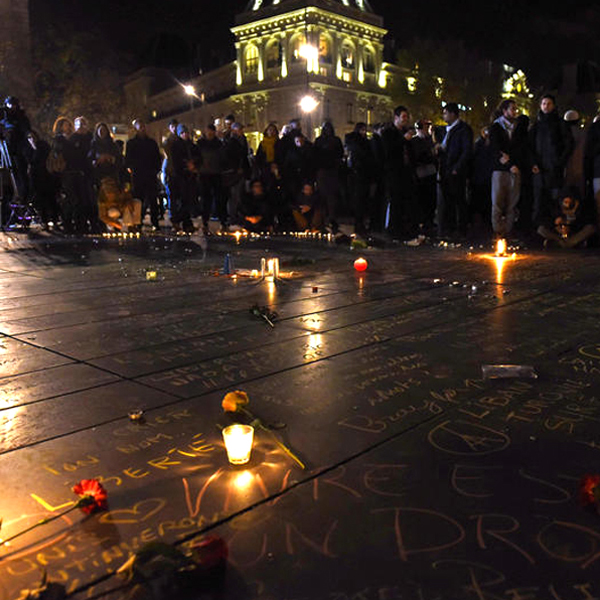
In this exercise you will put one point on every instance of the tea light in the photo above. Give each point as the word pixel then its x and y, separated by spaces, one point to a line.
pixel 238 443
pixel 151 275
pixel 360 264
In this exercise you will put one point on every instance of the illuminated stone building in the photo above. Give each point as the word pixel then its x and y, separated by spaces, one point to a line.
pixel 328 50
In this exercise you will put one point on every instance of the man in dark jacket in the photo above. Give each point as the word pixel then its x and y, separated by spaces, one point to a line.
pixel 237 168
pixel 400 175
pixel 329 154
pixel 211 185
pixel 360 167
pixel 551 144
pixel 508 142
pixel 454 158
pixel 183 181
pixel 142 157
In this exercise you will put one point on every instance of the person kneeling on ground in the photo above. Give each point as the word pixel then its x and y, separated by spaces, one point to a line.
pixel 255 211
pixel 308 210
pixel 118 209
pixel 569 226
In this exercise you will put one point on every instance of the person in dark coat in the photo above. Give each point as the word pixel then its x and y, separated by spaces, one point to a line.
pixel 300 165
pixel 551 144
pixel 481 184
pixel 255 209
pixel 454 155
pixel 400 175
pixel 509 147
pixel 183 179
pixel 237 168
pixel 308 209
pixel 210 178
pixel 426 172
pixel 43 184
pixel 360 162
pixel 378 196
pixel 143 158
pixel 14 125
pixel 329 155
pixel 70 181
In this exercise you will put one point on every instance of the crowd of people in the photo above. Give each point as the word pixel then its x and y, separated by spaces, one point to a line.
pixel 409 180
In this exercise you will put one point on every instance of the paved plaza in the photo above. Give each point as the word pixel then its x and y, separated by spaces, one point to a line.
pixel 425 478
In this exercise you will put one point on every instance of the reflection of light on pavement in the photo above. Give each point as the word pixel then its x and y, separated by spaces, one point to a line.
pixel 315 340
pixel 8 420
pixel 500 263
pixel 243 480
pixel 271 290
pixel 361 286
pixel 312 321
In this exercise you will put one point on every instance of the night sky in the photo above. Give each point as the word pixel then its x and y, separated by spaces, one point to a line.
pixel 534 35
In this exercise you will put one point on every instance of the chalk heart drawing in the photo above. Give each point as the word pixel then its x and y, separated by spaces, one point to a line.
pixel 141 511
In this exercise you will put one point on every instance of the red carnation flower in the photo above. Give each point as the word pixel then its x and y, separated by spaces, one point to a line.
pixel 92 496
pixel 589 490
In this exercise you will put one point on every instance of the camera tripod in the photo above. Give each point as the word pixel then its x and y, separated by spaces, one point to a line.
pixel 21 214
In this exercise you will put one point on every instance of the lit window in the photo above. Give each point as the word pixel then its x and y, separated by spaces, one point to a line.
pixel 347 56
pixel 324 72
pixel 297 45
pixel 347 77
pixel 369 62
pixel 411 84
pixel 252 58
pixel 325 53
pixel 274 54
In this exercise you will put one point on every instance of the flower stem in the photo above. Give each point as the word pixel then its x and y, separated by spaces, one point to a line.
pixel 258 423
pixel 44 521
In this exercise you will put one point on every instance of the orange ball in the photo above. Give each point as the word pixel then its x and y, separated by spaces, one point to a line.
pixel 360 264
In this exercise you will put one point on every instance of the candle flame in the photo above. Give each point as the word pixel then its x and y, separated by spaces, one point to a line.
pixel 501 248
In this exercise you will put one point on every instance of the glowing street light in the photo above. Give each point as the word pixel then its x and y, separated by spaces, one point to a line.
pixel 308 103
pixel 190 90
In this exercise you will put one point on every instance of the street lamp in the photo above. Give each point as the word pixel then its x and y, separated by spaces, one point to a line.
pixel 308 104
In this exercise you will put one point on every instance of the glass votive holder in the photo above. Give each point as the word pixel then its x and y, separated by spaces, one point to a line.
pixel 238 443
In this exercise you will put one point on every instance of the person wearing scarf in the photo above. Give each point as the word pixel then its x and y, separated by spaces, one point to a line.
pixel 508 141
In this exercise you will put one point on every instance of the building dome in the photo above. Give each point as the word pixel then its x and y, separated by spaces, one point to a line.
pixel 362 5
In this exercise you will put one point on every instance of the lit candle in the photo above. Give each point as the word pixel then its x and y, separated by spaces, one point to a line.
pixel 501 248
pixel 237 235
pixel 263 267
pixel 360 264
pixel 238 443
pixel 276 268
pixel 151 275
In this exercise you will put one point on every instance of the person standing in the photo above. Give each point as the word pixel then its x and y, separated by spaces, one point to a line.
pixel 426 174
pixel 360 167
pixel 508 143
pixel 15 125
pixel 210 178
pixel 454 154
pixel 400 175
pixel 329 154
pixel 43 185
pixel 551 144
pixel 237 168
pixel 480 181
pixel 142 157
pixel 183 181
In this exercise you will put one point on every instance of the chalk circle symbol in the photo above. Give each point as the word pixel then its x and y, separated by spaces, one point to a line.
pixel 462 438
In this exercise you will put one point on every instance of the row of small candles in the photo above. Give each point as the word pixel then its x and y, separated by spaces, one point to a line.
pixel 238 235
pixel 122 235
